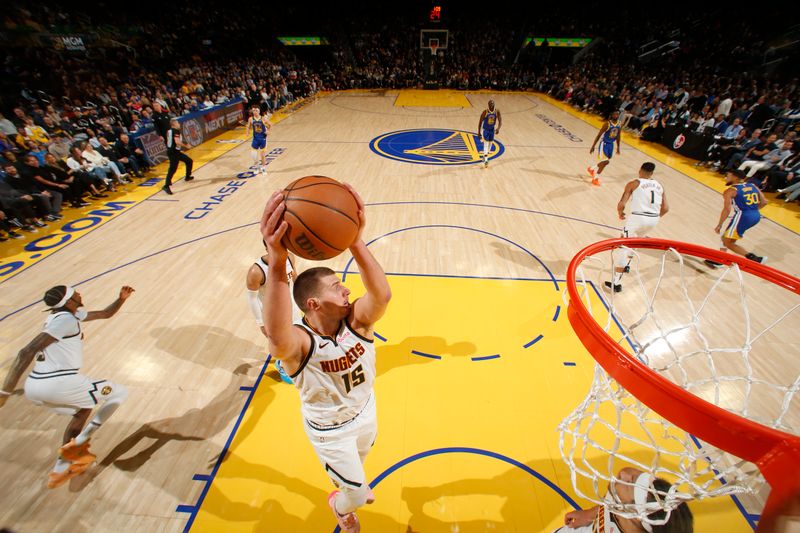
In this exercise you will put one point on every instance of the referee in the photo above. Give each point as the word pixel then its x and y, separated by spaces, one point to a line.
pixel 174 145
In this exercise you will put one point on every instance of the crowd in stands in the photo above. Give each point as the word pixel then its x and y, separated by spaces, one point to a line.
pixel 66 136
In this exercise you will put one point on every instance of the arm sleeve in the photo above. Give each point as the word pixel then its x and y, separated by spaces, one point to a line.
pixel 256 307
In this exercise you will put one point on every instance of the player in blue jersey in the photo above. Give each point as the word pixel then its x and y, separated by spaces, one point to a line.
pixel 611 133
pixel 740 208
pixel 488 126
pixel 259 126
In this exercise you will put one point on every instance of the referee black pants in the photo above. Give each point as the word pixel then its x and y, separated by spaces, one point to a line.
pixel 174 158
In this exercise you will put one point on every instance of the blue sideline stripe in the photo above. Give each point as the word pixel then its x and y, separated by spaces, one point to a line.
pixel 379 336
pixel 558 310
pixel 192 510
pixel 569 363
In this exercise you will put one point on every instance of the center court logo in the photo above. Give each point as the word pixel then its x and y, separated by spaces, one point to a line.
pixel 433 147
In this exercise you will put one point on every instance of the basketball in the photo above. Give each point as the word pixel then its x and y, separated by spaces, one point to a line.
pixel 322 217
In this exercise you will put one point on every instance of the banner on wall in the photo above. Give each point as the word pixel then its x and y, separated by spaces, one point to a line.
pixel 196 128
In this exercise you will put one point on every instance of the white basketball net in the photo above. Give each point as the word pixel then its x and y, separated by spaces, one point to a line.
pixel 692 325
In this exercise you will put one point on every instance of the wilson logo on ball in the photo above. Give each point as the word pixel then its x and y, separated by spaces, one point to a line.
pixel 303 243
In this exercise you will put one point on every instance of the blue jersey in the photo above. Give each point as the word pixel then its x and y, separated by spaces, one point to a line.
pixel 745 211
pixel 259 129
pixel 747 197
pixel 490 121
pixel 612 133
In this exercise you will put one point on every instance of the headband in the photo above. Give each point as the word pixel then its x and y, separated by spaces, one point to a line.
pixel 65 299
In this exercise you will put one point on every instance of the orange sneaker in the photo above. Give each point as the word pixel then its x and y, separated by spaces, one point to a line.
pixel 56 479
pixel 78 454
pixel 596 181
pixel 590 170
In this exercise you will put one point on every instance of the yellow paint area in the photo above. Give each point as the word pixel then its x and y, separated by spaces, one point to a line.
pixel 787 215
pixel 467 422
pixel 438 98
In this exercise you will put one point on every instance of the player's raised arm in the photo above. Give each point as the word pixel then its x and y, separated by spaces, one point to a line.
pixel 369 308
pixel 111 310
pixel 286 342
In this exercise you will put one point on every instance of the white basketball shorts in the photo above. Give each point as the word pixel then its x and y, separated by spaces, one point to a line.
pixel 342 450
pixel 66 394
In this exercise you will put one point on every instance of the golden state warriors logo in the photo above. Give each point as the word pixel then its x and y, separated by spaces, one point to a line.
pixel 434 147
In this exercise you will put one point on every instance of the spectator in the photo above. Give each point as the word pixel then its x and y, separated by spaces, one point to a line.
pixel 784 174
pixel 60 175
pixel 95 176
pixel 755 153
pixel 98 161
pixel 768 160
pixel 8 127
pixel 760 112
pixel 130 155
pixel 25 182
pixel 37 151
pixel 35 133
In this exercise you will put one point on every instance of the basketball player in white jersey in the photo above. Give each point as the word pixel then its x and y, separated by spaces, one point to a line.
pixel 637 488
pixel 256 279
pixel 648 205
pixel 55 381
pixel 330 355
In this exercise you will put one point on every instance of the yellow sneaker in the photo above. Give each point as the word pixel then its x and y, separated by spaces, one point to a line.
pixel 76 453
pixel 56 479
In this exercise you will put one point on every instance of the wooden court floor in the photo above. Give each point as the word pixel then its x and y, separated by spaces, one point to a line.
pixel 477 362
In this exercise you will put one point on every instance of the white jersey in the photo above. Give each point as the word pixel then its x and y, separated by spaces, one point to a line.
pixel 260 263
pixel 335 378
pixel 65 355
pixel 646 198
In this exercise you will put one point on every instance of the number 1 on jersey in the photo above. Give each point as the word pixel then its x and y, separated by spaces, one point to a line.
pixel 354 378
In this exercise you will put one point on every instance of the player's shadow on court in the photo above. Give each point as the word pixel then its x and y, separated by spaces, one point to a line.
pixel 171 436
pixel 393 355
pixel 569 176
pixel 211 347
pixel 514 488
pixel 511 253
pixel 272 514
pixel 166 436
